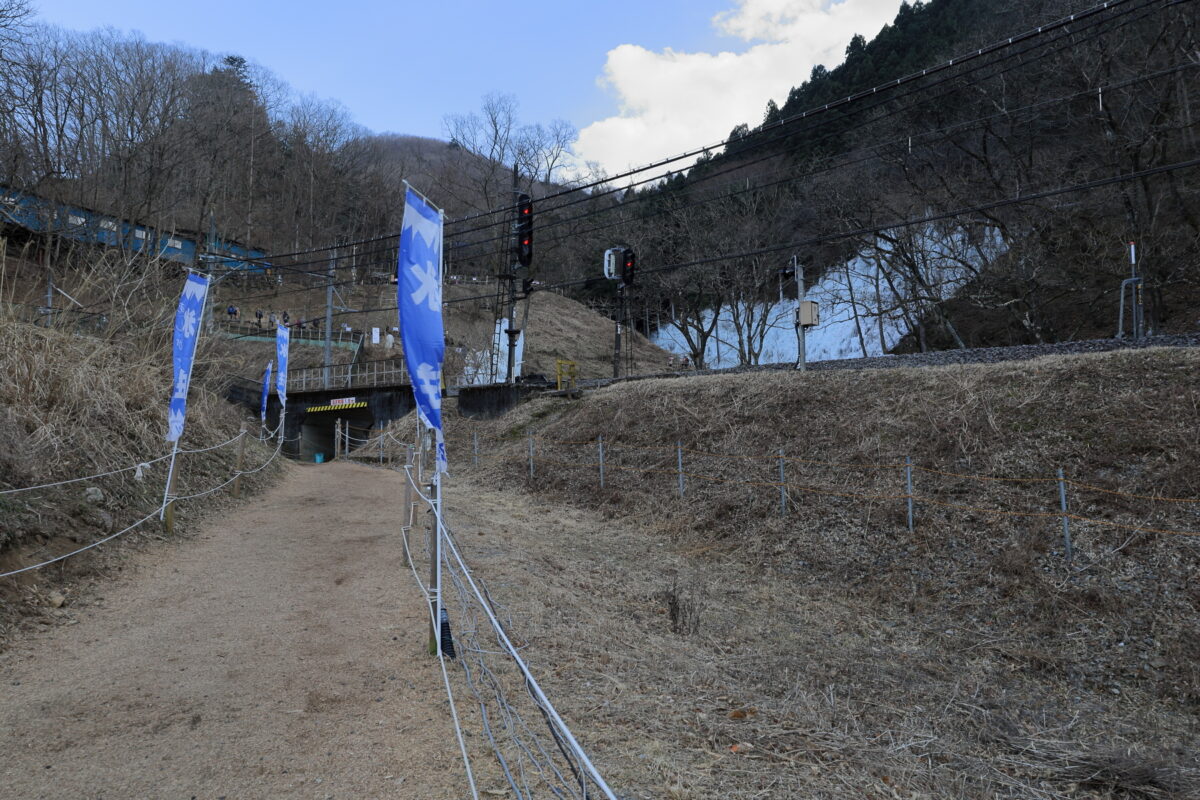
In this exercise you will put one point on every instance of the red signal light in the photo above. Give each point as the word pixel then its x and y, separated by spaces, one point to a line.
pixel 524 230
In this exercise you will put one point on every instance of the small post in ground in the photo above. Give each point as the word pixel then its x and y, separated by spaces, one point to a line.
pixel 1066 519
pixel 408 507
pixel 531 456
pixel 600 446
pixel 475 448
pixel 337 439
pixel 241 456
pixel 782 487
pixel 909 490
pixel 169 508
pixel 679 465
pixel 435 563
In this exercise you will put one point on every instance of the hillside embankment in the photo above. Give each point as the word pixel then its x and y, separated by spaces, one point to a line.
pixel 770 646
pixel 556 327
pixel 73 406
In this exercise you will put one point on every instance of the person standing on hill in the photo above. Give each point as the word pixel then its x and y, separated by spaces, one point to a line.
pixel 258 317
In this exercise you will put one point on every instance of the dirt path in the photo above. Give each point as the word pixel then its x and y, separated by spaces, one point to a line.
pixel 279 653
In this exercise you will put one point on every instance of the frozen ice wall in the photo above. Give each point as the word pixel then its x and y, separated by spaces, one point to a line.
pixel 867 304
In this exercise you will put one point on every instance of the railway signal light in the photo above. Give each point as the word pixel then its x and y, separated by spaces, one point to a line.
pixel 524 246
pixel 628 266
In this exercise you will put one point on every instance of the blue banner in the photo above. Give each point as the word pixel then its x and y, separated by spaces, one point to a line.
pixel 266 391
pixel 188 319
pixel 282 339
pixel 419 300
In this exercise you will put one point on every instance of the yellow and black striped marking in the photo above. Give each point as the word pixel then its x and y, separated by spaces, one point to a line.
pixel 342 407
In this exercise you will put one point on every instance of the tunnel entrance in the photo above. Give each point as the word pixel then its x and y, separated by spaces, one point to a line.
pixel 318 427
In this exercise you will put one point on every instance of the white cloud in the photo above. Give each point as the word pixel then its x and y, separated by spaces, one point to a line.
pixel 671 102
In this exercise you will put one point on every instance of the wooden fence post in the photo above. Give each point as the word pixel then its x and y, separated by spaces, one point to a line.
pixel 237 478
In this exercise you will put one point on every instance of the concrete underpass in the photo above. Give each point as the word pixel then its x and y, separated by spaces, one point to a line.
pixel 312 416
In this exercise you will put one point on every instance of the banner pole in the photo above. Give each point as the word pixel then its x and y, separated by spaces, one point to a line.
pixel 166 507
pixel 241 456
pixel 435 561
pixel 167 512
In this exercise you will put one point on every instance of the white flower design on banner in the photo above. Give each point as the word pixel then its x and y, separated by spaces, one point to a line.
pixel 181 385
pixel 189 323
pixel 419 301
pixel 429 380
pixel 187 330
pixel 430 288
pixel 175 420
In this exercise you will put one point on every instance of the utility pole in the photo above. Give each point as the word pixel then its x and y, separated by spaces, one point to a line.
pixel 617 341
pixel 329 320
pixel 511 330
pixel 522 250
pixel 801 344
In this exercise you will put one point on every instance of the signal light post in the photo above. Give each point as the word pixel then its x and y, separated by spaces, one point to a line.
pixel 523 250
pixel 620 264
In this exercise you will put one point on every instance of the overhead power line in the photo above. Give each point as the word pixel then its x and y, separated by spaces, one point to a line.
pixel 804 115
pixel 879 99
pixel 1024 198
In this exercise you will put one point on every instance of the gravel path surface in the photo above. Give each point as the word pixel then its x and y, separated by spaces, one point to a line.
pixel 278 653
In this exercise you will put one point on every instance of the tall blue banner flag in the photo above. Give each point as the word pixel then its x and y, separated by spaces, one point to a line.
pixel 187 331
pixel 419 299
pixel 266 391
pixel 282 339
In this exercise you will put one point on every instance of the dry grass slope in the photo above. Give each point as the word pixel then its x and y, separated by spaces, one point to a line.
pixel 556 327
pixel 72 406
pixel 829 652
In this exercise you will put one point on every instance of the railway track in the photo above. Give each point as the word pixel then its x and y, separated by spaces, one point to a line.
pixel 940 358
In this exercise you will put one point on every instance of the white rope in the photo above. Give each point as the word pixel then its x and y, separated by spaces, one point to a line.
pixel 215 446
pixel 271 433
pixel 123 469
pixel 236 475
pixel 436 627
pixel 151 515
pixel 86 478
pixel 158 510
pixel 535 688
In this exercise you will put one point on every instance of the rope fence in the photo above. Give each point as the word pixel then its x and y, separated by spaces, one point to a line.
pixel 687 467
pixel 157 510
pixel 131 468
pixel 528 762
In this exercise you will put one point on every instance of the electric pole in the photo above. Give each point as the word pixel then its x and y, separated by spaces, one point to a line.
pixel 801 344
pixel 523 250
pixel 617 342
pixel 329 319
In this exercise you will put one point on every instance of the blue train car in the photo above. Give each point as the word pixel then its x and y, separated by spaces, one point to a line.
pixel 42 216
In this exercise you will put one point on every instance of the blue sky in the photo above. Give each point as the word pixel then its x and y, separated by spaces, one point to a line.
pixel 639 78
pixel 402 65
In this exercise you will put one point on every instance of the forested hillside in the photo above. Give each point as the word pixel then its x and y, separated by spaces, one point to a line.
pixel 1085 123
pixel 971 175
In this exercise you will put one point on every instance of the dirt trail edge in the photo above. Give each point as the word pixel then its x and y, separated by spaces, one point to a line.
pixel 279 653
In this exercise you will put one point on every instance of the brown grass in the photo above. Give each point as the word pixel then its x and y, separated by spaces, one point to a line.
pixel 556 327
pixel 73 405
pixel 962 660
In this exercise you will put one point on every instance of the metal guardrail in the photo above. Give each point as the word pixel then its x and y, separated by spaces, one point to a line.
pixel 349 376
pixel 315 337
